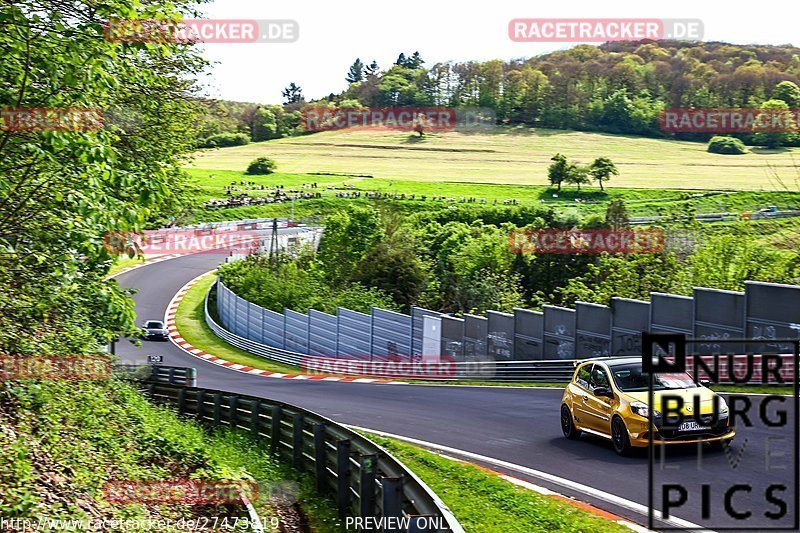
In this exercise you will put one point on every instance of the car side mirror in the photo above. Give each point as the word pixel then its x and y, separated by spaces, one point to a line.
pixel 603 391
pixel 705 382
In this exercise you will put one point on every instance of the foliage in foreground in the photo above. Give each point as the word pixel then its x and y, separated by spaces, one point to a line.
pixel 62 441
pixel 62 191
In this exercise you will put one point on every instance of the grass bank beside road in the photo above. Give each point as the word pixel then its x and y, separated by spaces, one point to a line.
pixel 62 442
pixel 483 501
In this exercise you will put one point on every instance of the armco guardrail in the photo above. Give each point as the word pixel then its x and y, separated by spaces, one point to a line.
pixel 366 480
pixel 172 375
pixel 484 370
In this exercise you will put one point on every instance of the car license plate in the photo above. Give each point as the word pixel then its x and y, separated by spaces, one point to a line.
pixel 692 425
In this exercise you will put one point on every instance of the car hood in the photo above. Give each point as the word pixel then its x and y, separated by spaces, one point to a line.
pixel 688 395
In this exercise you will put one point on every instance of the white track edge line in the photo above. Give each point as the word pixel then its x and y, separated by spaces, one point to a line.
pixel 638 508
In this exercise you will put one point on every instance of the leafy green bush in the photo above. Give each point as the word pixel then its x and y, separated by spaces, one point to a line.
pixel 298 286
pixel 261 166
pixel 221 140
pixel 726 145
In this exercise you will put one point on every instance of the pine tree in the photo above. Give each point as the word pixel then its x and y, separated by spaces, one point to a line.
pixel 293 94
pixel 372 69
pixel 356 72
pixel 415 61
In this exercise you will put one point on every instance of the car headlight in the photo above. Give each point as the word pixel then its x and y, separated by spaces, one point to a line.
pixel 641 409
pixel 723 409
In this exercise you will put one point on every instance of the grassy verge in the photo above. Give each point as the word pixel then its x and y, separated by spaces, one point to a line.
pixel 61 442
pixel 190 321
pixel 482 501
pixel 122 263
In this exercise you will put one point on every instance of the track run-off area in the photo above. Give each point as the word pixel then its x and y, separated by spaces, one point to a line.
pixel 511 430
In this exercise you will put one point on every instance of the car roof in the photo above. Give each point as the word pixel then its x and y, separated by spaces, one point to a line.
pixel 613 361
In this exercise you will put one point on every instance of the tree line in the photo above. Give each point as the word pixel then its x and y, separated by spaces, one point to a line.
pixel 619 87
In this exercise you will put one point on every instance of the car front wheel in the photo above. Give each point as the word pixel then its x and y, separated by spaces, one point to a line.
pixel 619 436
pixel 567 427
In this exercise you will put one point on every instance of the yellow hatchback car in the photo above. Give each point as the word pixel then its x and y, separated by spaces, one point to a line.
pixel 608 398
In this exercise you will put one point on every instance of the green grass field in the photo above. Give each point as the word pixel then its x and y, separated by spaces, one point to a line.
pixel 508 156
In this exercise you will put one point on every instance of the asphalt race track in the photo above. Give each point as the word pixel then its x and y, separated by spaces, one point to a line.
pixel 516 425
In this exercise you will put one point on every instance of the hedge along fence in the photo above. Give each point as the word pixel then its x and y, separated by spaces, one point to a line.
pixel 365 479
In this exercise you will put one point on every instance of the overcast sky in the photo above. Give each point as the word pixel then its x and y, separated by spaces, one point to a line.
pixel 334 33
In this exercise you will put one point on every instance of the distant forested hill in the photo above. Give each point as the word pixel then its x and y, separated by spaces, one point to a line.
pixel 618 87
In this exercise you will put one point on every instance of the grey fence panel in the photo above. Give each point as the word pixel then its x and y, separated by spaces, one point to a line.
pixel 322 333
pixel 255 322
pixel 223 305
pixel 528 335
pixel 240 306
pixel 718 315
pixel 559 332
pixel 772 311
pixel 670 313
pixel 273 328
pixel 592 330
pixel 391 333
pixel 500 336
pixel 355 334
pixel 476 329
pixel 629 318
pixel 453 337
pixel 296 331
pixel 417 314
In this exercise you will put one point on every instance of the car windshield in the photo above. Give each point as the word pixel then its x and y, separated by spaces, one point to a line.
pixel 630 378
pixel 154 325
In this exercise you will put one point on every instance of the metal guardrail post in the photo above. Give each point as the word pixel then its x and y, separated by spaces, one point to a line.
pixel 217 408
pixel 171 375
pixel 298 422
pixel 320 457
pixel 275 430
pixel 191 377
pixel 233 414
pixel 201 399
pixel 391 499
pixel 343 476
pixel 366 484
pixel 255 418
pixel 181 401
